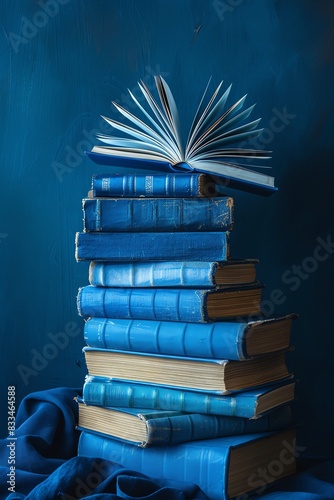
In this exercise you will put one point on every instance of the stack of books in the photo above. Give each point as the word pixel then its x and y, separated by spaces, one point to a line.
pixel 186 380
pixel 175 363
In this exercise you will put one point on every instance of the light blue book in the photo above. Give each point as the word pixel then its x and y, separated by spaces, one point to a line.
pixel 173 274
pixel 236 340
pixel 252 403
pixel 223 468
pixel 144 427
pixel 182 304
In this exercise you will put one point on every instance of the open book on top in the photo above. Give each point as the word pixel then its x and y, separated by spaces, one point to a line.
pixel 155 142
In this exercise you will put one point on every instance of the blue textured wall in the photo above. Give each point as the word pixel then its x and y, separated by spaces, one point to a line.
pixel 62 62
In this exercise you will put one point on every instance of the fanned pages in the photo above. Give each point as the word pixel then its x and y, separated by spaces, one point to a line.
pixel 214 142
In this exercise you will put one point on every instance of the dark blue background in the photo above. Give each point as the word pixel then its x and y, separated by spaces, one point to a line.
pixel 59 70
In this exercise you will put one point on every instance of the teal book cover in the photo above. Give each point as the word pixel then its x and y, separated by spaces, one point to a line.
pixel 251 403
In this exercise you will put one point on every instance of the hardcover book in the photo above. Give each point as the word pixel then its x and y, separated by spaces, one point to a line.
pixel 218 376
pixel 178 185
pixel 162 246
pixel 181 304
pixel 172 274
pixel 156 142
pixel 223 468
pixel 223 339
pixel 144 427
pixel 252 403
pixel 157 214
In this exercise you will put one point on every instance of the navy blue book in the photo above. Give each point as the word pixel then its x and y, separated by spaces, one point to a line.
pixel 236 340
pixel 177 246
pixel 212 145
pixel 157 214
pixel 143 427
pixel 187 185
pixel 212 375
pixel 250 404
pixel 181 304
pixel 223 468
pixel 173 274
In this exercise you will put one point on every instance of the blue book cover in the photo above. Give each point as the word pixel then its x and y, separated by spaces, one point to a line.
pixel 223 468
pixel 178 246
pixel 172 274
pixel 251 404
pixel 181 304
pixel 186 185
pixel 217 376
pixel 157 214
pixel 236 340
pixel 144 427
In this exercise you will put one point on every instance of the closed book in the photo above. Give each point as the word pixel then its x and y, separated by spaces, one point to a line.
pixel 221 339
pixel 184 185
pixel 157 214
pixel 144 427
pixel 252 403
pixel 172 274
pixel 181 304
pixel 223 468
pixel 219 376
pixel 179 246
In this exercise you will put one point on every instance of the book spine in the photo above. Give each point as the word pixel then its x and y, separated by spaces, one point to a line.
pixel 183 428
pixel 157 214
pixel 182 246
pixel 152 274
pixel 224 340
pixel 159 185
pixel 111 392
pixel 143 303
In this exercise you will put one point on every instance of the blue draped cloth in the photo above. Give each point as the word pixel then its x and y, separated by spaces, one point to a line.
pixel 47 466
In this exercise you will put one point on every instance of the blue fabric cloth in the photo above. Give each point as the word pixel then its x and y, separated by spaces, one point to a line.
pixel 46 465
pixel 44 438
